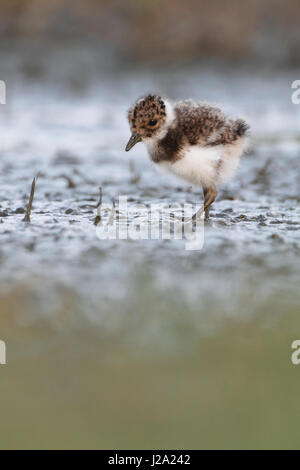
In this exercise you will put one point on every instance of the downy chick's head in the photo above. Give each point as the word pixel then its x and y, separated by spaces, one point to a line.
pixel 147 120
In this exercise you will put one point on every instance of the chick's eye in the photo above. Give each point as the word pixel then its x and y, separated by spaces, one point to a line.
pixel 152 122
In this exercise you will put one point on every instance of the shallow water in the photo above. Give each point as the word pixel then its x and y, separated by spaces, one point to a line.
pixel 75 143
pixel 134 301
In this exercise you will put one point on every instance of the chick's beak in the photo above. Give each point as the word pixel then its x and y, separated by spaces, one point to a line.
pixel 134 139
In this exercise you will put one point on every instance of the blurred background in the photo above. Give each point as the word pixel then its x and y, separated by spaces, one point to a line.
pixel 163 32
pixel 131 343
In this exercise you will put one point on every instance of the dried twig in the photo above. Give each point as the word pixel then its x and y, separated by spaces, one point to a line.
pixel 262 173
pixel 135 176
pixel 69 180
pixel 131 166
pixel 29 205
pixel 99 206
pixel 112 214
pixel 86 180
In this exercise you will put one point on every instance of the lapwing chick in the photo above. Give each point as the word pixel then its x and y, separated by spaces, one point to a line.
pixel 193 140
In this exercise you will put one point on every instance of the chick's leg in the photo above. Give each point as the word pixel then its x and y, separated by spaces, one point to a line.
pixel 210 194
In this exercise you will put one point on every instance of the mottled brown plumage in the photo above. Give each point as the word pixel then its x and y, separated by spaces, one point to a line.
pixel 200 124
pixel 147 116
pixel 196 141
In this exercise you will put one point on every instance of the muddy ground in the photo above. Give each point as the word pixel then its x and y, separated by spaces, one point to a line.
pixel 150 301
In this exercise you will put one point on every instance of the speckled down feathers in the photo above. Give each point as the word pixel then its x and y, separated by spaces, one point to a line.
pixel 199 124
pixel 146 109
pixel 196 141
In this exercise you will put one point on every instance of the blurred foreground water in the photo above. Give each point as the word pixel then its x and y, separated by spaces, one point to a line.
pixel 136 343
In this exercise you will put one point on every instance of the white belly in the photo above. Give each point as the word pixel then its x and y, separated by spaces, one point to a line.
pixel 207 165
pixel 198 165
